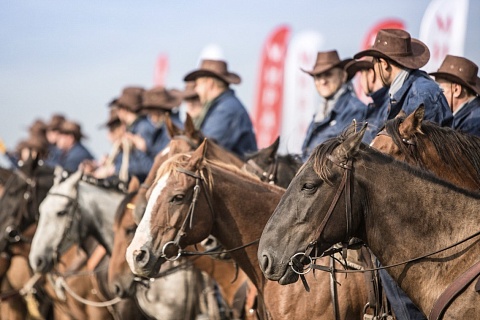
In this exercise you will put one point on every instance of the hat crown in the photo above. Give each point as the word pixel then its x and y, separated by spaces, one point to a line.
pixel 394 41
pixel 216 66
pixel 131 98
pixel 159 97
pixel 71 127
pixel 460 67
pixel 327 58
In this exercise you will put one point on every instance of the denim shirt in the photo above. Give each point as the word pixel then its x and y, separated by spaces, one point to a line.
pixel 467 119
pixel 347 108
pixel 71 159
pixel 419 88
pixel 375 113
pixel 228 123
pixel 140 162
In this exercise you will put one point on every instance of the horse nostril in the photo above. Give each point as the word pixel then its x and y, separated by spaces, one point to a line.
pixel 141 257
pixel 117 290
pixel 265 263
pixel 40 263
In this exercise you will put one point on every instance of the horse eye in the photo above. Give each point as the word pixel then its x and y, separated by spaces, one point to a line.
pixel 309 187
pixel 62 213
pixel 130 230
pixel 177 198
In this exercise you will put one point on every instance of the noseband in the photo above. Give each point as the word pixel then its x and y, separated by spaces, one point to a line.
pixel 189 217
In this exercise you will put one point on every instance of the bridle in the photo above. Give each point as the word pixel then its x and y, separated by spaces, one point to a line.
pixel 72 215
pixel 199 182
pixel 269 175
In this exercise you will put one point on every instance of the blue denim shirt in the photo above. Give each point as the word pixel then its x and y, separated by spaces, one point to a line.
pixel 467 119
pixel 419 88
pixel 375 113
pixel 228 123
pixel 140 162
pixel 71 159
pixel 347 108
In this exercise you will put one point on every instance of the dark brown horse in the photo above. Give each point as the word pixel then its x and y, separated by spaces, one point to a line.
pixel 233 207
pixel 404 214
pixel 424 144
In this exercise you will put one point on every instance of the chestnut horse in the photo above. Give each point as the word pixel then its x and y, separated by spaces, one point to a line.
pixel 423 229
pixel 233 207
pixel 451 155
pixel 226 274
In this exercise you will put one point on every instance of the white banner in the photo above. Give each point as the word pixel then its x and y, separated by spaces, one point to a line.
pixel 300 96
pixel 443 29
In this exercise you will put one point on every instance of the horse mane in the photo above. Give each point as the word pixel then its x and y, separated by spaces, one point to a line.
pixel 462 147
pixel 122 206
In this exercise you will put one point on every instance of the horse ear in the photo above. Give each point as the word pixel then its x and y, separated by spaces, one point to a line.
pixel 401 114
pixel 273 148
pixel 199 154
pixel 413 123
pixel 190 130
pixel 350 146
pixel 172 129
pixel 57 174
pixel 134 184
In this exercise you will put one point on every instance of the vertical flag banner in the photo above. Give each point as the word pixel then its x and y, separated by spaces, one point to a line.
pixel 300 95
pixel 367 42
pixel 161 69
pixel 268 102
pixel 443 30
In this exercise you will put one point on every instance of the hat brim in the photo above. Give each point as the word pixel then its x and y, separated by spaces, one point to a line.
pixel 455 79
pixel 230 78
pixel 419 58
pixel 341 64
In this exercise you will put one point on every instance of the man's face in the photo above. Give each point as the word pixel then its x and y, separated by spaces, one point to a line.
pixel 65 141
pixel 329 82
pixel 202 86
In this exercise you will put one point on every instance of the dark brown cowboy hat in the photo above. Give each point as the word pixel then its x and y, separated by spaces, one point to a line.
pixel 355 66
pixel 459 70
pixel 55 122
pixel 130 99
pixel 71 127
pixel 216 69
pixel 159 98
pixel 327 60
pixel 398 46
pixel 189 92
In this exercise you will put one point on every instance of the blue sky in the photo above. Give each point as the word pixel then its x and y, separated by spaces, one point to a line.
pixel 74 57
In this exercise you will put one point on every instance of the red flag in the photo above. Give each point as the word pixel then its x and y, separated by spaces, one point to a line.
pixel 267 111
pixel 161 68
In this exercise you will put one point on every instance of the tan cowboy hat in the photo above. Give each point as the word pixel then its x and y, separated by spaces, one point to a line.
pixel 159 98
pixel 327 60
pixel 130 99
pixel 398 46
pixel 216 69
pixel 459 70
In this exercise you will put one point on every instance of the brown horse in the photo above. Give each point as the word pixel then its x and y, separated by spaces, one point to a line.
pixel 230 280
pixel 233 207
pixel 423 144
pixel 411 221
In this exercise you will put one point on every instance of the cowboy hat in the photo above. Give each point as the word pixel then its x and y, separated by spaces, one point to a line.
pixel 459 70
pixel 159 98
pixel 130 99
pixel 355 66
pixel 398 46
pixel 327 60
pixel 216 69
pixel 73 128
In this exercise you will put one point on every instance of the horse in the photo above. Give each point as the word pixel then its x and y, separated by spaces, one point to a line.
pixel 422 143
pixel 234 208
pixel 271 167
pixel 156 298
pixel 76 215
pixel 25 188
pixel 409 218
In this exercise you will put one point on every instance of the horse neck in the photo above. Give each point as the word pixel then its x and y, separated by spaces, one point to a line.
pixel 242 208
pixel 98 206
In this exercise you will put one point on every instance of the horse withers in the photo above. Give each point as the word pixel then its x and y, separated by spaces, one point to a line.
pixel 409 219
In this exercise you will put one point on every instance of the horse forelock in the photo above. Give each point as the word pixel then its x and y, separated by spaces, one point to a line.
pixel 320 159
pixel 171 164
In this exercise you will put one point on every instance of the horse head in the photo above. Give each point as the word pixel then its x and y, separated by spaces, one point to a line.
pixel 170 221
pixel 58 218
pixel 311 215
pixel 25 188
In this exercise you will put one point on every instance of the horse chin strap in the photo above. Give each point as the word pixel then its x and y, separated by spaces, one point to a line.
pixel 189 217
